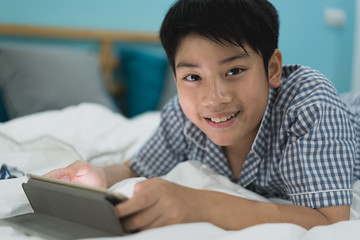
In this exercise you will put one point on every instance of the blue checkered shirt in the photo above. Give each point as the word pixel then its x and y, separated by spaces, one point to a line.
pixel 305 149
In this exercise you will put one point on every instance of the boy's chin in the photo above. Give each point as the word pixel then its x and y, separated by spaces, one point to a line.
pixel 221 142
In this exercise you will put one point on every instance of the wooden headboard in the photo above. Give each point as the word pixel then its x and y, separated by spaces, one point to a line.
pixel 106 40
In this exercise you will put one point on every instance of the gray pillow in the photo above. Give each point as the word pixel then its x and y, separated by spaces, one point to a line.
pixel 39 78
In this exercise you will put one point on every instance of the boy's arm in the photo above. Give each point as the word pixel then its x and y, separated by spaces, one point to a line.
pixel 117 172
pixel 237 213
pixel 157 203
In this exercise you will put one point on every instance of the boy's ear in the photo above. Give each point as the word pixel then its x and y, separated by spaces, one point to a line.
pixel 275 69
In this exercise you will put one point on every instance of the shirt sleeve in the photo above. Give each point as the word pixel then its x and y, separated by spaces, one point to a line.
pixel 317 162
pixel 166 148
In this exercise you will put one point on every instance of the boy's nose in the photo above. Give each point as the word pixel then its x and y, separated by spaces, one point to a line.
pixel 216 92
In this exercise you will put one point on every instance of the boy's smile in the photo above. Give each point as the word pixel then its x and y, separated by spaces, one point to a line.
pixel 222 89
pixel 224 120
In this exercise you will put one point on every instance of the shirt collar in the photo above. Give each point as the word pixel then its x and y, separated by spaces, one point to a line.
pixel 192 132
pixel 260 143
pixel 259 147
pixel 215 157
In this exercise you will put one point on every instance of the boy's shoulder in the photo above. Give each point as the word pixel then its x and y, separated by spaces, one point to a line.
pixel 173 105
pixel 172 112
pixel 302 86
pixel 303 77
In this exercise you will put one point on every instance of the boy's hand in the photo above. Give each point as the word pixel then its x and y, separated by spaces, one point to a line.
pixel 157 202
pixel 80 172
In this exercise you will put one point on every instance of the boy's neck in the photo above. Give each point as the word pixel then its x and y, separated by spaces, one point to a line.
pixel 236 154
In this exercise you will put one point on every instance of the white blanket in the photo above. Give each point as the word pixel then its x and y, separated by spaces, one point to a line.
pixel 42 142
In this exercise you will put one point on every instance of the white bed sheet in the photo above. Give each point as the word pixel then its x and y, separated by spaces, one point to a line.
pixel 44 141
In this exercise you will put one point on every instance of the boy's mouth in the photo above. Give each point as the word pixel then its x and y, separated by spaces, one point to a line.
pixel 223 118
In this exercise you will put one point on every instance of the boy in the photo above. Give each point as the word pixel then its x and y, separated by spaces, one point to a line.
pixel 280 131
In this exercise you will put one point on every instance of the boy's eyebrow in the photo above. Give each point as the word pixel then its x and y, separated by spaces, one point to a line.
pixel 186 65
pixel 226 60
pixel 235 57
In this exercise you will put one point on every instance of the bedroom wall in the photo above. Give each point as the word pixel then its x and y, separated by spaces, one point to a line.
pixel 140 15
pixel 356 63
pixel 305 37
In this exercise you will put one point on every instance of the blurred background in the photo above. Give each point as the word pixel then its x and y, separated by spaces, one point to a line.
pixel 323 34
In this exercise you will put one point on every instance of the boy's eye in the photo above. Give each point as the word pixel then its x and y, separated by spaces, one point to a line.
pixel 234 71
pixel 192 77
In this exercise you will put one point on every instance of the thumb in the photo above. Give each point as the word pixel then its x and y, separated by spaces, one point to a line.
pixel 143 185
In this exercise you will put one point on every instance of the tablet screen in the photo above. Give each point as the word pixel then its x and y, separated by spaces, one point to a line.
pixel 113 197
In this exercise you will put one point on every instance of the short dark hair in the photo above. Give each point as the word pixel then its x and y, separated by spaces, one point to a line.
pixel 239 22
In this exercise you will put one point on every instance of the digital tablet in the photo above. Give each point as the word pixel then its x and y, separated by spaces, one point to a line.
pixel 67 210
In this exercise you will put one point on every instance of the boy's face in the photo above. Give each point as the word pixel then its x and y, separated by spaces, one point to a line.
pixel 221 89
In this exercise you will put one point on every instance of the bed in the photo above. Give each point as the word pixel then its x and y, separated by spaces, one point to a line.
pixel 53 136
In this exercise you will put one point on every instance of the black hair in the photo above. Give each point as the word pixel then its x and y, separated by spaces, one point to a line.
pixel 238 22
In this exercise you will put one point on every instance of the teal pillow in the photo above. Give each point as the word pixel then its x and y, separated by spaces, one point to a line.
pixel 3 112
pixel 144 71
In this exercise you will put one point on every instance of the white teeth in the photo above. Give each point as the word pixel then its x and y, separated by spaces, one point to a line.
pixel 222 119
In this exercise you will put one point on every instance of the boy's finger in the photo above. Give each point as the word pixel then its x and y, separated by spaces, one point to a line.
pixel 68 173
pixel 137 203
pixel 141 220
pixel 59 174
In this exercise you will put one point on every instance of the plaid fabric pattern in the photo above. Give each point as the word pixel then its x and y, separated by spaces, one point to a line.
pixel 305 150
